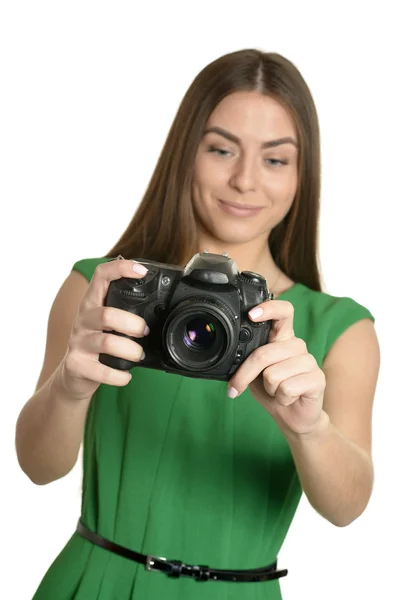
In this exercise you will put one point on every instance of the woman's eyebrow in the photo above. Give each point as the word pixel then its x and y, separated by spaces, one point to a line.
pixel 233 138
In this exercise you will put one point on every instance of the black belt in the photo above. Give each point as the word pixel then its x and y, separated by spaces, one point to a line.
pixel 176 568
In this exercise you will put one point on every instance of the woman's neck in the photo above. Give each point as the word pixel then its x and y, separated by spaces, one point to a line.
pixel 253 256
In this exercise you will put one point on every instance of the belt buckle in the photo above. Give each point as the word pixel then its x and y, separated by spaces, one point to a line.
pixel 149 563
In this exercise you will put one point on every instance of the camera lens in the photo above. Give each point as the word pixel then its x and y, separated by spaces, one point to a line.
pixel 200 334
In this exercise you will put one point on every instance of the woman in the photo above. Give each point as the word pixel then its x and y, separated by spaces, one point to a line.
pixel 176 467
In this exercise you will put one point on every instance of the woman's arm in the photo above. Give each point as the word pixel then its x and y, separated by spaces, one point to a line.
pixel 334 462
pixel 325 414
pixel 50 426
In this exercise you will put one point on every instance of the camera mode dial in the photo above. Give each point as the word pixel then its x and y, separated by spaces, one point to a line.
pixel 252 278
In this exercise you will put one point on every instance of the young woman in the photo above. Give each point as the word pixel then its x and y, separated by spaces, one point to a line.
pixel 204 474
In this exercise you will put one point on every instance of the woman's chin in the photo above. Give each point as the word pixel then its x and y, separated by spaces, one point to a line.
pixel 235 235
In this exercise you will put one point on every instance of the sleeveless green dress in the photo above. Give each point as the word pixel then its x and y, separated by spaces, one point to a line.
pixel 175 468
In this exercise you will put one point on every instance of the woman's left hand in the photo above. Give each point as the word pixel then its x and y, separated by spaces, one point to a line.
pixel 283 377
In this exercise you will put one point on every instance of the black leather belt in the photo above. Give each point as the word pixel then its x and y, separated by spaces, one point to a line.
pixel 176 568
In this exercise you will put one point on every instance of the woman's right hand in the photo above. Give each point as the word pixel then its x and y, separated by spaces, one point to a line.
pixel 80 372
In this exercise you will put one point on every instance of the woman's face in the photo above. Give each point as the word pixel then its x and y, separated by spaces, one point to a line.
pixel 245 176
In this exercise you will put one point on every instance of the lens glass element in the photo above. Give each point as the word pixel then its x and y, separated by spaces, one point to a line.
pixel 200 334
pixel 198 337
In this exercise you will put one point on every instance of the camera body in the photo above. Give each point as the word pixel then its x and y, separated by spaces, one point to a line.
pixel 197 315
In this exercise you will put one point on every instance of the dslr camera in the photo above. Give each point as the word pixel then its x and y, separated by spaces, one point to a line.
pixel 197 315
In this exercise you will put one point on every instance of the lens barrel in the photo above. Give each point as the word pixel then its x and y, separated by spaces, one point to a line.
pixel 199 333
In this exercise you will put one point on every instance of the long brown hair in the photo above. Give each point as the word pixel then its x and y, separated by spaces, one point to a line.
pixel 164 228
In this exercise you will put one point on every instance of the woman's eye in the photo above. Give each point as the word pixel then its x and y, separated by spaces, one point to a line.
pixel 275 162
pixel 218 151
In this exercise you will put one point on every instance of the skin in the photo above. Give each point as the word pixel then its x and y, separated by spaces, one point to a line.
pixel 324 413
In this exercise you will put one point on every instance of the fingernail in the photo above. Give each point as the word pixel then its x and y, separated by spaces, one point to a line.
pixel 142 356
pixel 232 392
pixel 140 269
pixel 255 313
pixel 146 330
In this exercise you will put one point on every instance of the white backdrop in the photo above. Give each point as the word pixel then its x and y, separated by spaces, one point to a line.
pixel 88 93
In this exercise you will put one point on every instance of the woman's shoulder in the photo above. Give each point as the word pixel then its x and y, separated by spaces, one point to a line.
pixel 87 266
pixel 321 317
pixel 322 302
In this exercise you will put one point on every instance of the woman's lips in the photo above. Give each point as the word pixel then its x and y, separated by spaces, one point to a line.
pixel 238 211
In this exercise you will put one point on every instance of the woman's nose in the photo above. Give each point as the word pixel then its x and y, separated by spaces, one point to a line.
pixel 244 176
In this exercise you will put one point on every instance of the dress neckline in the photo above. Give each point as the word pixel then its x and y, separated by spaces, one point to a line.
pixel 290 290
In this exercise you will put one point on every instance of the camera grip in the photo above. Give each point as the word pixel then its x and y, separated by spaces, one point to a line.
pixel 114 299
pixel 116 363
pixel 113 361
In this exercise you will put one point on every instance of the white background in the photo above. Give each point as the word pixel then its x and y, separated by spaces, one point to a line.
pixel 88 93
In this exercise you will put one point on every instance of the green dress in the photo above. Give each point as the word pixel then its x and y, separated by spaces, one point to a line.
pixel 175 468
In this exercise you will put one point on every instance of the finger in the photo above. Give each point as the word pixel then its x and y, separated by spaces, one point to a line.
pixel 263 357
pixel 275 375
pixel 107 272
pixel 108 318
pixel 307 386
pixel 114 345
pixel 91 369
pixel 281 313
